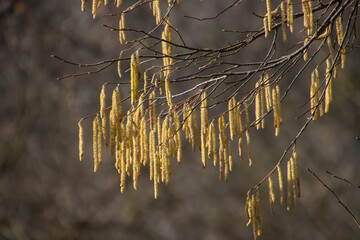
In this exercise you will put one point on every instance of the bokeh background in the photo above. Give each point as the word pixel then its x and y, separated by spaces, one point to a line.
pixel 46 193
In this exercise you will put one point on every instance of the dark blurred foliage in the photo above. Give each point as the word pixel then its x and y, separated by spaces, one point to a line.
pixel 46 193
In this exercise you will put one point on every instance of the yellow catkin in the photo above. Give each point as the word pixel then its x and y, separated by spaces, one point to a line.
pixel 99 3
pixel 262 106
pixel 277 87
pixel 156 11
pixel 232 122
pixel 253 216
pixel 204 127
pixel 95 145
pixel 239 124
pixel 283 19
pixel 102 113
pixel 99 158
pixel 308 16
pixel 246 108
pixel 313 97
pixel 248 209
pixel 168 93
pixel 121 28
pixel 317 81
pixel 275 112
pixel 196 128
pixel 268 98
pixel 81 141
pixel 156 175
pixel 143 141
pixel 328 85
pixel 213 142
pixel 222 146
pixel 257 214
pixel 118 3
pixel 331 51
pixel 257 107
pixel 281 185
pixel 340 38
pixel 271 195
pixel 289 186
pixel 230 157
pixel 94 8
pixel 145 82
pixel 293 180
pixel 290 15
pixel 266 27
pixel 177 137
pixel 134 77
pixel 297 178
pixel 152 151
pixel 123 173
pixel 83 3
pixel 269 17
pixel 152 110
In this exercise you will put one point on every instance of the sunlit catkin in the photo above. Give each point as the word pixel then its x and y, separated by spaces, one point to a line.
pixel 118 3
pixel 94 8
pixel 99 151
pixel 283 19
pixel 232 122
pixel 246 108
pixel 95 145
pixel 290 15
pixel 168 92
pixel 271 195
pixel 204 127
pixel 248 209
pixel 239 124
pixel 328 86
pixel 340 38
pixel 257 214
pixel 268 98
pixel 121 28
pixel 289 185
pixel 81 141
pixel 257 107
pixel 156 11
pixel 332 55
pixel 266 27
pixel 135 71
pixel 83 3
pixel 275 112
pixel 177 137
pixel 103 115
pixel 269 17
pixel 281 185
pixel 305 52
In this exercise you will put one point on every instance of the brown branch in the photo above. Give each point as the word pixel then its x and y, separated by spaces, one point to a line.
pixel 335 195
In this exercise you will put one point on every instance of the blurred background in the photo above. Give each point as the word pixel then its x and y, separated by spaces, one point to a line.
pixel 46 193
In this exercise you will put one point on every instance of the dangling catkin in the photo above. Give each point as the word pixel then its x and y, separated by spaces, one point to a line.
pixel 232 122
pixel 248 132
pixel 257 106
pixel 94 8
pixel 281 185
pixel 99 158
pixel 204 127
pixel 118 3
pixel 83 3
pixel 121 28
pixel 177 137
pixel 331 51
pixel 81 141
pixel 95 145
pixel 266 27
pixel 289 185
pixel 269 17
pixel 340 38
pixel 257 214
pixel 275 112
pixel 283 18
pixel 103 115
pixel 328 86
pixel 134 77
pixel 290 15
pixel 156 10
pixel 271 196
pixel 239 124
